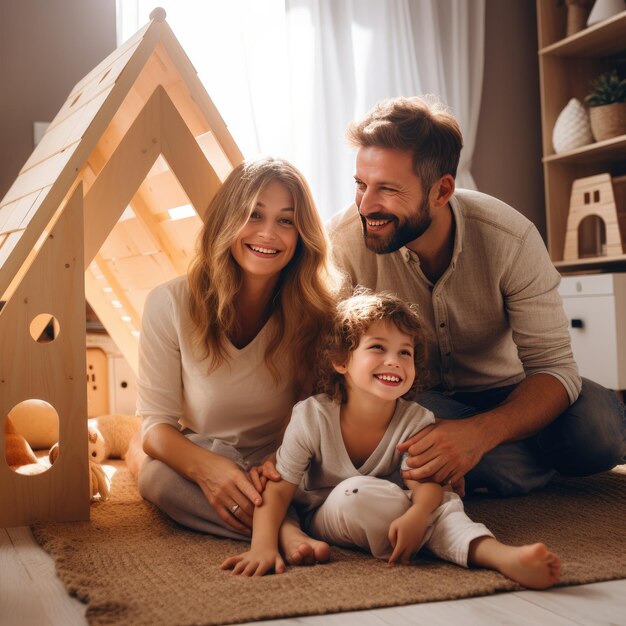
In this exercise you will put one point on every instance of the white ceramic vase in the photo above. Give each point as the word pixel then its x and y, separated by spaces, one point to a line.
pixel 603 9
pixel 572 128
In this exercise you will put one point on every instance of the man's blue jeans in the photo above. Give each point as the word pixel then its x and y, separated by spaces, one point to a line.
pixel 589 437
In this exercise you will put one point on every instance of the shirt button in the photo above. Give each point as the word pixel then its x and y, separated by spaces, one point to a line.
pixel 442 325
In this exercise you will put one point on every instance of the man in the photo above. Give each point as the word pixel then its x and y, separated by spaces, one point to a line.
pixel 499 347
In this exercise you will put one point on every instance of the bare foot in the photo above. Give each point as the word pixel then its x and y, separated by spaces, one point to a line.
pixel 533 566
pixel 300 549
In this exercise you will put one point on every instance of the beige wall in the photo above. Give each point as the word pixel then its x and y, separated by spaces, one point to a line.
pixel 507 158
pixel 46 47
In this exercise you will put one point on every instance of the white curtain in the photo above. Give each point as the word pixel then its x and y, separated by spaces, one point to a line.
pixel 289 75
pixel 449 43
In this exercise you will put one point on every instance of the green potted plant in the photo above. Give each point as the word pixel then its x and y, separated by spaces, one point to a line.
pixel 607 105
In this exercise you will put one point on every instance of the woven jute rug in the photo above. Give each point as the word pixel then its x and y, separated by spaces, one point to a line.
pixel 132 566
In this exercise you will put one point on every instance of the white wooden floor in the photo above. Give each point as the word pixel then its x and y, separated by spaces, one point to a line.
pixel 32 595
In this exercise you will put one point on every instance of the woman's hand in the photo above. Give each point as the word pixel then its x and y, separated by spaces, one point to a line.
pixel 229 491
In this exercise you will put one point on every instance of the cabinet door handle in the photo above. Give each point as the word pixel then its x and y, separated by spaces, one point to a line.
pixel 576 323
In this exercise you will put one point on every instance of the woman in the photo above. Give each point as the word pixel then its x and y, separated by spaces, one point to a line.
pixel 226 351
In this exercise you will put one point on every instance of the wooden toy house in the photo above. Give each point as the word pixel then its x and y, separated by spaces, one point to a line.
pixel 108 206
pixel 595 223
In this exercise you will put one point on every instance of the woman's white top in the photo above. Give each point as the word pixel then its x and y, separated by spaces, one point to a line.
pixel 238 403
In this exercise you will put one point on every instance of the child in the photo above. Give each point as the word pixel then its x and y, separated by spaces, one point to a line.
pixel 340 448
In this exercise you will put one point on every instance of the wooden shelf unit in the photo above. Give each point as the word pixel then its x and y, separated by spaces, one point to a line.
pixel 566 67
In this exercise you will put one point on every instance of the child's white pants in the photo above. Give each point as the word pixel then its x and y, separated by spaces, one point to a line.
pixel 359 511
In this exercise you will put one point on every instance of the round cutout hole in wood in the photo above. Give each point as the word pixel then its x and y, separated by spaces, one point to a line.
pixel 31 429
pixel 44 328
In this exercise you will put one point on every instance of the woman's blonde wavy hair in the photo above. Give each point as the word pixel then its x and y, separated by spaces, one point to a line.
pixel 304 300
pixel 352 319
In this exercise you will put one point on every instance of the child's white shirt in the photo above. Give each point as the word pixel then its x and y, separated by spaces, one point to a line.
pixel 313 454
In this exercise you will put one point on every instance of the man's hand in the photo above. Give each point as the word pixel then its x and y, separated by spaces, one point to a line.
pixel 444 452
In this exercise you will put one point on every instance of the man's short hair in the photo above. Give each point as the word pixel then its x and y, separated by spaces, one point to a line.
pixel 423 125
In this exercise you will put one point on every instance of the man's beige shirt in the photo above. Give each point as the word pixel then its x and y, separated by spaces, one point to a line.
pixel 495 316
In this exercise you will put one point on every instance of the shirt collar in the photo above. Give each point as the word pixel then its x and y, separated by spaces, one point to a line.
pixel 457 214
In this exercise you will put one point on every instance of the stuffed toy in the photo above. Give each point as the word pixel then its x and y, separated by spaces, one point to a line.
pixel 108 438
pixel 18 451
pixel 34 424
pixel 99 482
pixel 114 433
pixel 37 421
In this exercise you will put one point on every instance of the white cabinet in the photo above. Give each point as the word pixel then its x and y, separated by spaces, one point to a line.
pixel 596 308
pixel 122 386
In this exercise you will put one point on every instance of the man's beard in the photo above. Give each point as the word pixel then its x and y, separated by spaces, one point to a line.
pixel 413 228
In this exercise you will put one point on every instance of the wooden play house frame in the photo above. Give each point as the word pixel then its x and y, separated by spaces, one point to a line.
pixel 90 215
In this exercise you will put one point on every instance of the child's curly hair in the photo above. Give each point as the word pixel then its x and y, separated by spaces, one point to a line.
pixel 352 319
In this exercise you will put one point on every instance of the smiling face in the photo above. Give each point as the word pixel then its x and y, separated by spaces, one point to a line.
pixel 393 207
pixel 266 244
pixel 382 365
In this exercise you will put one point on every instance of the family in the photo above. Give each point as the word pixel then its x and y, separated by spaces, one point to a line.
pixel 305 386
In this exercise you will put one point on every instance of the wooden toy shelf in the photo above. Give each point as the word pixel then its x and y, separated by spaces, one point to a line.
pixel 566 67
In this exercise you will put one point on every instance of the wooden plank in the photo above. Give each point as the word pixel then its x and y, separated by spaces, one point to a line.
pixel 67 132
pixel 5 252
pixel 214 154
pixel 152 223
pixel 137 297
pixel 128 238
pixel 183 234
pixel 598 603
pixel 64 182
pixel 161 70
pixel 16 590
pixel 34 207
pixel 598 40
pixel 30 592
pixel 142 272
pixel 149 220
pixel 160 166
pixel 53 371
pixel 119 287
pixel 116 184
pixel 158 70
pixel 119 330
pixel 126 114
pixel 200 96
pixel 12 215
pixel 162 192
pixel 182 152
pixel 40 176
pixel 188 108
pixel 92 90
